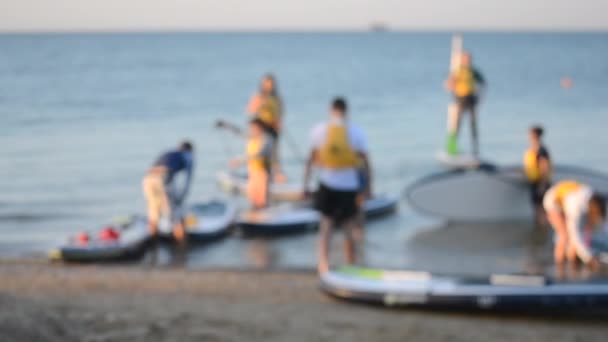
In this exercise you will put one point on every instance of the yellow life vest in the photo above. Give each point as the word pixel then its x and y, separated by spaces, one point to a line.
pixel 256 161
pixel 565 188
pixel 270 111
pixel 531 167
pixel 336 153
pixel 464 82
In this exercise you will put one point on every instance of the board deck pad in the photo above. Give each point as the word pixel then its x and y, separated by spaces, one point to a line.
pixel 499 194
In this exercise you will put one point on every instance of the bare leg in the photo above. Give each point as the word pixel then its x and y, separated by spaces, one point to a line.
pixel 179 232
pixel 325 231
pixel 558 222
pixel 474 134
pixel 350 240
pixel 571 254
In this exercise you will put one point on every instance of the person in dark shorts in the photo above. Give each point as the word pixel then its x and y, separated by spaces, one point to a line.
pixel 538 170
pixel 466 83
pixel 339 152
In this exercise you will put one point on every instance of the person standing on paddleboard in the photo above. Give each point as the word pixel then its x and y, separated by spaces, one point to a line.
pixel 575 212
pixel 259 164
pixel 466 84
pixel 267 106
pixel 538 170
pixel 339 153
pixel 164 201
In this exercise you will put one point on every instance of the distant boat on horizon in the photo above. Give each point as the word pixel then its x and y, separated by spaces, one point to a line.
pixel 378 27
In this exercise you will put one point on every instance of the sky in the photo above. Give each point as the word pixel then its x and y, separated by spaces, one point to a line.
pixel 142 15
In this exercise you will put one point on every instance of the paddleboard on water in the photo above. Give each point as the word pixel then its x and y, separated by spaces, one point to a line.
pixel 496 292
pixel 289 218
pixel 278 220
pixel 499 194
pixel 131 241
pixel 206 221
pixel 236 183
pixel 458 161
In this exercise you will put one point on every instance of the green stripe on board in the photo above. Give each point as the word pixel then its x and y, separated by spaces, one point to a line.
pixel 362 272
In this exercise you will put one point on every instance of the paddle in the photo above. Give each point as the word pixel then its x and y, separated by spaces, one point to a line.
pixel 235 129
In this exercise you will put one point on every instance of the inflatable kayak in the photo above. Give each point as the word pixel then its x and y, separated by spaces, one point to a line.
pixel 236 183
pixel 487 194
pixel 496 292
pixel 291 218
pixel 206 221
pixel 118 241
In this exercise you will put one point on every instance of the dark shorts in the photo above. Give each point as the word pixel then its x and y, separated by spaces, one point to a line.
pixel 335 204
pixel 466 102
pixel 537 192
pixel 271 131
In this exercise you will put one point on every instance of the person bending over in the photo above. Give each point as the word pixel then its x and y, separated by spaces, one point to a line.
pixel 575 212
pixel 164 201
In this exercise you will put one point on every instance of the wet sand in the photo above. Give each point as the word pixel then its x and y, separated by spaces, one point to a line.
pixel 42 302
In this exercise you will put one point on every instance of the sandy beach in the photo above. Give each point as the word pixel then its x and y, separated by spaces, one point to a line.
pixel 55 302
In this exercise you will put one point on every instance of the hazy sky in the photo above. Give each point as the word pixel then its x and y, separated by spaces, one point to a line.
pixel 34 15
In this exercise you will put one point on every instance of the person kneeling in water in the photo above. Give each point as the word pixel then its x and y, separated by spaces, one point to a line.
pixel 537 167
pixel 259 162
pixel 163 201
pixel 575 212
pixel 339 150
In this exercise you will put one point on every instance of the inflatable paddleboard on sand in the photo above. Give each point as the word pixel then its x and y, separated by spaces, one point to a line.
pixel 131 243
pixel 501 194
pixel 496 292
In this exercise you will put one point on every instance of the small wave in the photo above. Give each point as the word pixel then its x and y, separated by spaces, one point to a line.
pixel 30 217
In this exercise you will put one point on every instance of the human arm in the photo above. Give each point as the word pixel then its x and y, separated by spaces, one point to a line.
pixel 254 105
pixel 187 183
pixel 367 168
pixel 480 82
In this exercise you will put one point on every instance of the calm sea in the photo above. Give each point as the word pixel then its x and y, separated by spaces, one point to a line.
pixel 82 116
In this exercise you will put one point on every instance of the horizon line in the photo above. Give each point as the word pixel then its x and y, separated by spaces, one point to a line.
pixel 370 29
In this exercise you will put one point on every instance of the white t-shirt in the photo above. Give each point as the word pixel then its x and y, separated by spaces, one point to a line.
pixel 343 179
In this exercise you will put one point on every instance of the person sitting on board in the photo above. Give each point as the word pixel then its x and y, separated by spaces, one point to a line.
pixel 259 160
pixel 267 106
pixel 339 151
pixel 466 84
pixel 574 211
pixel 537 167
pixel 165 202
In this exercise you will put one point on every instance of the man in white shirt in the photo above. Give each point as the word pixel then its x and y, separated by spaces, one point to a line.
pixel 339 153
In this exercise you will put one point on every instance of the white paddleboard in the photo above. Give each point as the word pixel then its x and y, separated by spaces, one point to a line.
pixel 458 161
pixel 487 195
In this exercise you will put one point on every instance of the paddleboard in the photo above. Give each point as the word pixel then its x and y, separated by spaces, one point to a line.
pixel 282 219
pixel 205 221
pixel 289 218
pixel 380 205
pixel 133 236
pixel 496 292
pixel 236 183
pixel 500 194
pixel 209 221
pixel 458 161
